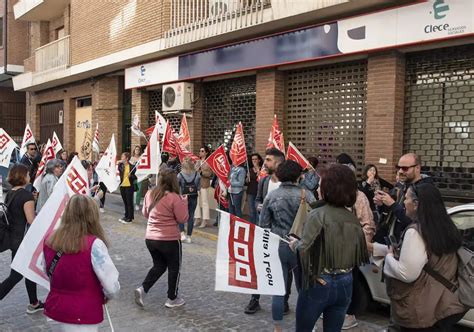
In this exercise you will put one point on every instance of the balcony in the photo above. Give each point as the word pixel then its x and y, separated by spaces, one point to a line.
pixel 194 20
pixel 51 59
pixel 39 10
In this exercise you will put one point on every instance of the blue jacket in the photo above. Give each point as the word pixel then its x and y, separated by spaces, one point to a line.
pixel 310 181
pixel 237 179
pixel 281 206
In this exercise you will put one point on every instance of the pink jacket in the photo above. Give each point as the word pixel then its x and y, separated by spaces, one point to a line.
pixel 165 216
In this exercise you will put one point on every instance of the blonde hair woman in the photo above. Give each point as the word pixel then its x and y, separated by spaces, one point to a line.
pixel 79 245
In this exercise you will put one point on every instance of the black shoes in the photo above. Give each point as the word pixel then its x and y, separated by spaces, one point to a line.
pixel 252 307
pixel 286 309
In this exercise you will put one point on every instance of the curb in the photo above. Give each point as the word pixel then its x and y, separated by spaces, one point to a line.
pixel 209 236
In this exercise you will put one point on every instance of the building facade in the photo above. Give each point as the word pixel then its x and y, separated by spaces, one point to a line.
pixel 13 51
pixel 373 79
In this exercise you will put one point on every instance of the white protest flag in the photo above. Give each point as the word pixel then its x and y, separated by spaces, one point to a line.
pixel 106 169
pixel 150 160
pixel 7 145
pixel 160 122
pixel 56 143
pixel 136 127
pixel 27 139
pixel 95 141
pixel 247 258
pixel 29 259
pixel 48 155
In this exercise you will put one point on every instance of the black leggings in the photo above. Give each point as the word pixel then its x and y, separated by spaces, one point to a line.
pixel 14 278
pixel 165 255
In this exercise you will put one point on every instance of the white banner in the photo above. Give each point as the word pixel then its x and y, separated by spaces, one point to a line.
pixel 106 168
pixel 29 260
pixel 27 139
pixel 56 144
pixel 7 145
pixel 48 155
pixel 150 160
pixel 247 258
pixel 160 123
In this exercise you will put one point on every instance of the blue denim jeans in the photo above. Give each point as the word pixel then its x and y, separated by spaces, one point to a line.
pixel 235 204
pixel 252 208
pixel 288 263
pixel 192 203
pixel 331 299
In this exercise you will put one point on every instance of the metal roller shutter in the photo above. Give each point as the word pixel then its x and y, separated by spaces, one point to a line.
pixel 325 110
pixel 439 117
pixel 226 103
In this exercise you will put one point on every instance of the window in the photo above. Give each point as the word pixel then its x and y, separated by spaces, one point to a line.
pixel 84 102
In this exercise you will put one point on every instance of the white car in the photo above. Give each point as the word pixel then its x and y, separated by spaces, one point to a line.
pixel 371 279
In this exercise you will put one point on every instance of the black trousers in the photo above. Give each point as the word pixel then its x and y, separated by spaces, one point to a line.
pixel 127 197
pixel 165 255
pixel 14 278
pixel 356 292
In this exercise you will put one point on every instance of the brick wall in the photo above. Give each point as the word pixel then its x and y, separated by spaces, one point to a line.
pixel 270 101
pixel 195 123
pixel 117 27
pixel 17 41
pixel 106 108
pixel 385 108
pixel 140 107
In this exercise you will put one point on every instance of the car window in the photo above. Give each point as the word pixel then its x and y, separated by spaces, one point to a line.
pixel 464 221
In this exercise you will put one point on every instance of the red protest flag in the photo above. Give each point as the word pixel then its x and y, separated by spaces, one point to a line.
pixel 276 140
pixel 183 153
pixel 169 140
pixel 149 131
pixel 294 154
pixel 219 164
pixel 219 196
pixel 184 139
pixel 238 153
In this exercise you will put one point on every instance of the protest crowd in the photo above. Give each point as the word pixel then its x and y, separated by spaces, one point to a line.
pixel 320 221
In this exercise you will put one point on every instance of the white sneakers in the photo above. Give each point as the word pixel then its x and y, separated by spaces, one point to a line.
pixel 183 236
pixel 102 210
pixel 188 239
pixel 139 296
pixel 177 302
pixel 350 322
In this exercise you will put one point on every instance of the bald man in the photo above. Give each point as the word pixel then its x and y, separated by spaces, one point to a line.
pixel 394 219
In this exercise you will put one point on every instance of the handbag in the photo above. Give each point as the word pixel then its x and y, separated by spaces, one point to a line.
pixel 300 218
pixel 5 223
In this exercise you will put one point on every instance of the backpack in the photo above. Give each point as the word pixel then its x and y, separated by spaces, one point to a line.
pixel 190 188
pixel 465 289
pixel 5 224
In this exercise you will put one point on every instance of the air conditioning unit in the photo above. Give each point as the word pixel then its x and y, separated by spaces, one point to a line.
pixel 178 97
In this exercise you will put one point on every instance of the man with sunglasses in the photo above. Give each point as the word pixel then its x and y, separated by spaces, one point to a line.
pixel 31 160
pixel 394 218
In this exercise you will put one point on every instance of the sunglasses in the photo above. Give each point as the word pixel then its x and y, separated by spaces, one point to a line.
pixel 404 168
pixel 32 149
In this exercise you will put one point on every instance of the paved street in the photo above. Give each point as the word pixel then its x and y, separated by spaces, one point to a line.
pixel 205 310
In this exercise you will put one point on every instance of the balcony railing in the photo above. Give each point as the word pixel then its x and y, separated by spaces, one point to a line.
pixel 53 56
pixel 193 20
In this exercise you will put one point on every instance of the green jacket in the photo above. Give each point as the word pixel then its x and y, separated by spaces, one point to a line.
pixel 332 240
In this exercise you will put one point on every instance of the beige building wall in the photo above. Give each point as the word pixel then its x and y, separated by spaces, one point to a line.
pixel 121 24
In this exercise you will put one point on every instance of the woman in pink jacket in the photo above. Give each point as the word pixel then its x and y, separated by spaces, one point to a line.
pixel 165 210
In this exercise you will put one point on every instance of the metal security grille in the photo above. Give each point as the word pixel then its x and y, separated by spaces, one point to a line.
pixel 325 111
pixel 12 118
pixel 225 104
pixel 439 117
pixel 51 115
pixel 155 101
